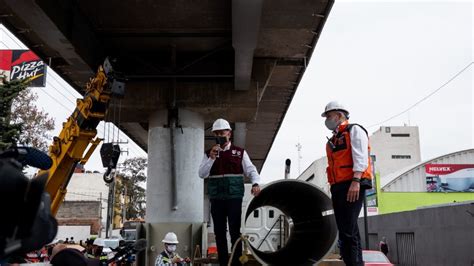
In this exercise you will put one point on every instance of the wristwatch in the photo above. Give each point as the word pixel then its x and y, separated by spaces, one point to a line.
pixel 357 179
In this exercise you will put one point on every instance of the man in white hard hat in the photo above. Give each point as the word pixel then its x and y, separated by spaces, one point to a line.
pixel 169 256
pixel 349 172
pixel 98 250
pixel 226 165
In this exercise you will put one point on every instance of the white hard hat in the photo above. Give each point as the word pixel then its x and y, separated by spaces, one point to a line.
pixel 107 250
pixel 221 124
pixel 335 106
pixel 99 242
pixel 170 238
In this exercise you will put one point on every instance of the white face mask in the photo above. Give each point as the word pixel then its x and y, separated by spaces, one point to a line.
pixel 171 248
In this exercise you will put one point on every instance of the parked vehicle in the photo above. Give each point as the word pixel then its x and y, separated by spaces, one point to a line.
pixel 375 258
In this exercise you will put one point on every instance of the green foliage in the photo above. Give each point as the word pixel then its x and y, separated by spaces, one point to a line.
pixel 130 185
pixel 9 133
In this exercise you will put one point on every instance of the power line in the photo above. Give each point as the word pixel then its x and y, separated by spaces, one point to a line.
pixel 22 46
pixel 85 195
pixel 68 91
pixel 4 44
pixel 135 151
pixel 426 97
pixel 56 100
pixel 67 109
pixel 59 91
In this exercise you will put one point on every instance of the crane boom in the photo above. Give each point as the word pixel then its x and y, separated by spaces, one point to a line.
pixel 79 132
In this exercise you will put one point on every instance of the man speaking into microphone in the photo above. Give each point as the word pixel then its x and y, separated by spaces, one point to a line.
pixel 226 165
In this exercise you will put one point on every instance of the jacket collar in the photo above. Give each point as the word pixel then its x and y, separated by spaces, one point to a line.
pixel 341 127
pixel 227 147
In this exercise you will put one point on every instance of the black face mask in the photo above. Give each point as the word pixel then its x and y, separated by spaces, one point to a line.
pixel 221 140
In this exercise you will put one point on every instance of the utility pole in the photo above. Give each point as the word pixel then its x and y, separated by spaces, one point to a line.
pixel 287 168
pixel 110 210
pixel 100 214
pixel 124 210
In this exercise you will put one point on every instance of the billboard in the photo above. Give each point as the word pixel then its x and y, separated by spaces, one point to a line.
pixel 22 64
pixel 449 177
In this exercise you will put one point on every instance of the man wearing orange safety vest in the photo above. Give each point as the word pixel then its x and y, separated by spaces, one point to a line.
pixel 349 174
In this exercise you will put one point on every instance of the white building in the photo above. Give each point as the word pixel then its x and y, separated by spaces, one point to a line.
pixel 89 187
pixel 395 148
pixel 414 178
pixel 84 191
pixel 316 174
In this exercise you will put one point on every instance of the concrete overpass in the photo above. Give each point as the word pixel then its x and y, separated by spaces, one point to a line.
pixel 187 62
pixel 241 60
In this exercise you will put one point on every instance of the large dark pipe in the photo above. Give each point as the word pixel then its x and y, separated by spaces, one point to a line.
pixel 313 227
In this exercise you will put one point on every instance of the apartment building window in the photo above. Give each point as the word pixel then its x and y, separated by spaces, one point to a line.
pixel 403 135
pixel 401 156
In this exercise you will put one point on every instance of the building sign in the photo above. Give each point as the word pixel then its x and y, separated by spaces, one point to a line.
pixel 22 64
pixel 449 177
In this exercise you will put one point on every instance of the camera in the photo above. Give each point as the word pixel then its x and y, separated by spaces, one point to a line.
pixel 27 223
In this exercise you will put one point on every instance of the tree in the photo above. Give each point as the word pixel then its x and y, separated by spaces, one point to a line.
pixel 129 184
pixel 9 132
pixel 36 123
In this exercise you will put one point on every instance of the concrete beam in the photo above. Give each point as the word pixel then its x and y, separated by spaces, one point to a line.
pixel 240 134
pixel 210 99
pixel 135 129
pixel 245 27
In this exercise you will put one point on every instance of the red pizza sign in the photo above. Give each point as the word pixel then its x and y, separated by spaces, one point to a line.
pixel 22 64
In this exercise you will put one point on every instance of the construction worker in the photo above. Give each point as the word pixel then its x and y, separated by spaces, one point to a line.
pixel 349 173
pixel 98 248
pixel 169 256
pixel 89 249
pixel 225 166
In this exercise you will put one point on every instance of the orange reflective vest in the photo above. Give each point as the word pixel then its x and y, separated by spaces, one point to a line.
pixel 339 154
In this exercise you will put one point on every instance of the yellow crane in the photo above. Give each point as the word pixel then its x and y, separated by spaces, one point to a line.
pixel 80 130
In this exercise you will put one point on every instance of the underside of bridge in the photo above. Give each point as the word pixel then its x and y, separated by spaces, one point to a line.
pixel 241 60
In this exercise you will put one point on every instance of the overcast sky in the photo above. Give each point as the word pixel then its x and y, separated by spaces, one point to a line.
pixel 377 58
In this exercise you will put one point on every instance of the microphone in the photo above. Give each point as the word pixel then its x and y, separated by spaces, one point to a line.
pixel 140 244
pixel 37 158
pixel 29 156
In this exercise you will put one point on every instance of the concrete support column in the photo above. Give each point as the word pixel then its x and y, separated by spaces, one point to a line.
pixel 189 149
pixel 240 134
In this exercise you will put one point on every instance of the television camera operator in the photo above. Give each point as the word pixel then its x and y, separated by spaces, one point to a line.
pixel 26 222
